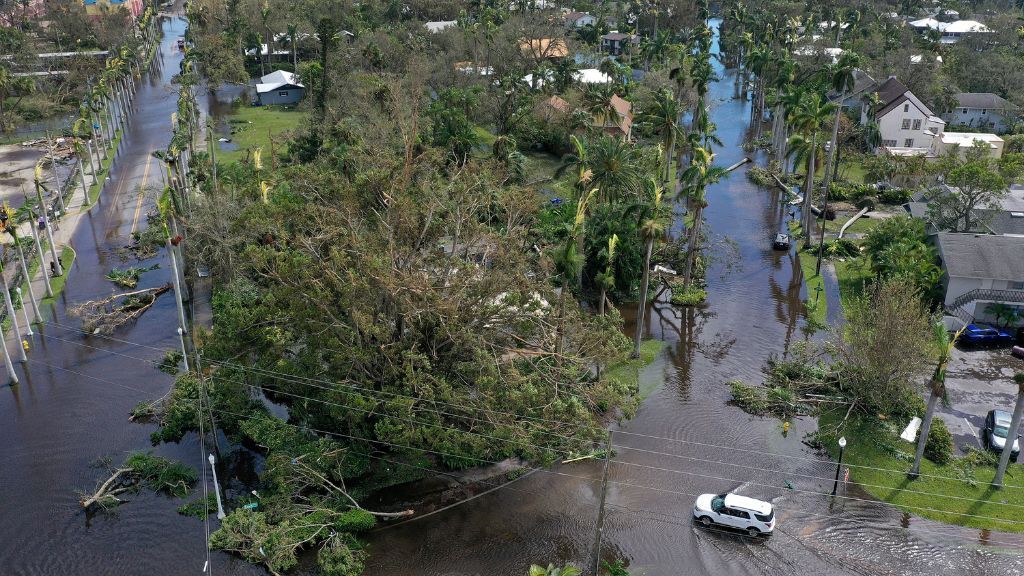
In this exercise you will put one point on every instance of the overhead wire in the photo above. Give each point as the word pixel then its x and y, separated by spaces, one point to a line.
pixel 534 469
pixel 301 380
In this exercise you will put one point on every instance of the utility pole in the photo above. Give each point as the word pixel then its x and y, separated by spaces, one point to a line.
pixel 10 314
pixel 216 486
pixel 24 312
pixel 58 269
pixel 42 257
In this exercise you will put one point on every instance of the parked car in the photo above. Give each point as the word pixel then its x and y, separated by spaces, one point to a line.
pixel 985 335
pixel 781 242
pixel 753 516
pixel 997 428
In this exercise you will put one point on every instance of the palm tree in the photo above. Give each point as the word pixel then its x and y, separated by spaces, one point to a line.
pixel 568 261
pixel 82 145
pixel 597 101
pixel 1011 436
pixel 842 82
pixel 616 168
pixel 652 228
pixel 576 159
pixel 696 179
pixel 809 118
pixel 944 344
pixel 551 570
pixel 663 117
pixel 606 278
pixel 293 32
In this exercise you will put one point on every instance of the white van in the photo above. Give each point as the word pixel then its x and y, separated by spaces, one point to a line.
pixel 735 511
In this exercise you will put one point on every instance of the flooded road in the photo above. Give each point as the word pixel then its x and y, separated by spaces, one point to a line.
pixel 72 404
pixel 77 390
pixel 686 440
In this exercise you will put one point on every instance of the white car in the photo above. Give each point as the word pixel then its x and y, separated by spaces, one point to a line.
pixel 735 511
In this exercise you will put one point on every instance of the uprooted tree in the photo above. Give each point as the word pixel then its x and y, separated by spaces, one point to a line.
pixel 106 315
pixel 138 470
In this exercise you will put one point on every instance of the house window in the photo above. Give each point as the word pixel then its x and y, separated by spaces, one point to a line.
pixel 283 93
pixel 908 143
pixel 906 107
pixel 983 112
pixel 917 124
pixel 1015 285
pixel 906 124
pixel 888 142
pixel 963 110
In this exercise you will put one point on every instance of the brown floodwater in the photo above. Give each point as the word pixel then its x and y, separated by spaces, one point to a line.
pixel 72 404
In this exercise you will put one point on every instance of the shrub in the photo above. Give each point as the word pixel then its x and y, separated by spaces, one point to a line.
pixel 894 196
pixel 939 447
pixel 690 297
pixel 760 176
pixel 841 248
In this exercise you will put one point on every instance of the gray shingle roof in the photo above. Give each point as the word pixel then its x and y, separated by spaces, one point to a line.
pixel 1001 221
pixel 983 101
pixel 982 256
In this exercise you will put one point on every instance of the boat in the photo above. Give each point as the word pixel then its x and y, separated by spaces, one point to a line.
pixel 781 242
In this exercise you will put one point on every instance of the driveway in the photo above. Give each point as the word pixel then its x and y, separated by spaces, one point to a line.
pixel 977 381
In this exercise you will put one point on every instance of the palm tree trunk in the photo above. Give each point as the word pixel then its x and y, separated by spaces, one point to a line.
pixel 1011 437
pixel 834 144
pixel 809 188
pixel 926 427
pixel 92 167
pixel 641 307
pixel 691 245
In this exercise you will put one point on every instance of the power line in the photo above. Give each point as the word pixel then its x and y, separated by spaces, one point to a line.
pixel 641 486
pixel 311 382
pixel 532 469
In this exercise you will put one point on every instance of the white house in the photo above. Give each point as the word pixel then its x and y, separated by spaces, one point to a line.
pixel 952 32
pixel 980 269
pixel 944 142
pixel 982 110
pixel 580 19
pixel 906 125
pixel 439 26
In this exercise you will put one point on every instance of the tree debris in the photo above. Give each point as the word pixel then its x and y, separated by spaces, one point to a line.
pixel 108 314
pixel 140 469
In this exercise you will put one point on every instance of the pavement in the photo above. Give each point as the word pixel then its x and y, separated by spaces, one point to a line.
pixel 977 380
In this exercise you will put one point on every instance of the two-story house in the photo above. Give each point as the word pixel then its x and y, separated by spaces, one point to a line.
pixel 906 125
pixel 616 43
pixel 982 110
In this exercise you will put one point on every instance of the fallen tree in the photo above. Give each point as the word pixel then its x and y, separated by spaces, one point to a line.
pixel 108 314
pixel 140 469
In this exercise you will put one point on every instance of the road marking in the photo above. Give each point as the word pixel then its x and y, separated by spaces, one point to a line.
pixel 974 432
pixel 142 195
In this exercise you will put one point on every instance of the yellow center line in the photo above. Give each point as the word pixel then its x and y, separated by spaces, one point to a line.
pixel 142 195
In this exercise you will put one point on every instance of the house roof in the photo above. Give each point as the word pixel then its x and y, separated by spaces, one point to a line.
pixel 625 111
pixel 278 79
pixel 556 103
pixel 591 76
pixel 440 25
pixel 964 26
pixel 574 16
pixel 982 256
pixel 1002 221
pixel 545 48
pixel 967 139
pixel 615 36
pixel 892 93
pixel 928 23
pixel 983 101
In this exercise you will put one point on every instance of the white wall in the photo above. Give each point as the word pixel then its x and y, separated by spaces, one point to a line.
pixel 957 286
pixel 975 118
pixel 891 126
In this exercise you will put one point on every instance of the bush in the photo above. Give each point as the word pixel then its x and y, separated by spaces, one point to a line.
pixel 841 248
pixel 939 447
pixel 894 196
pixel 690 297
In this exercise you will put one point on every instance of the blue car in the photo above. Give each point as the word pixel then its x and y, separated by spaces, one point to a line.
pixel 985 335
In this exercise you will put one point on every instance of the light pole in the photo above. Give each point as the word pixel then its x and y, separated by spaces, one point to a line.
pixel 216 487
pixel 24 311
pixel 184 352
pixel 839 465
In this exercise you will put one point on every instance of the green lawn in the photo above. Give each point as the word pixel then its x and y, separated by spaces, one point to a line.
pixel 67 257
pixel 254 126
pixel 102 170
pixel 878 459
pixel 629 372
pixel 817 302
pixel 852 275
pixel 863 225
pixel 852 172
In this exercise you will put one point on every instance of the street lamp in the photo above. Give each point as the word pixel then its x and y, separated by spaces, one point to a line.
pixel 842 446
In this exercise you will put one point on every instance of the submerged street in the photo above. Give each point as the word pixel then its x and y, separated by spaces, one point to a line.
pixel 72 407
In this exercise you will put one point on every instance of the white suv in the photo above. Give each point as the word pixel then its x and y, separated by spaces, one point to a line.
pixel 735 511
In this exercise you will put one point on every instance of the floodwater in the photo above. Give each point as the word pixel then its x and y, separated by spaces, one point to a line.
pixel 686 440
pixel 72 405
